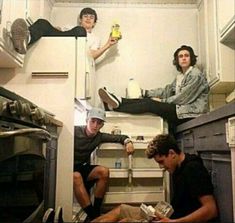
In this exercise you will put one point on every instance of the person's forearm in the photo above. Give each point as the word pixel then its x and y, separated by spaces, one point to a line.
pixel 203 214
pixel 97 53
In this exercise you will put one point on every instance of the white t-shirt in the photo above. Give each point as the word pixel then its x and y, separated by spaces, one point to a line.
pixel 179 79
pixel 93 41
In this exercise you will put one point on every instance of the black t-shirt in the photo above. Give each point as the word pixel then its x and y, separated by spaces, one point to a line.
pixel 190 181
pixel 84 145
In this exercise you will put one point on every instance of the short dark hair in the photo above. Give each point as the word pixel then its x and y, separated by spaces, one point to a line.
pixel 160 145
pixel 89 11
pixel 193 57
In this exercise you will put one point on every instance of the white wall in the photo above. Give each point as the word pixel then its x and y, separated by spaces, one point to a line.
pixel 150 37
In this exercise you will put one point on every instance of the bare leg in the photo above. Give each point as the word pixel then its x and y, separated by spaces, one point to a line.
pixel 80 191
pixel 101 174
pixel 111 216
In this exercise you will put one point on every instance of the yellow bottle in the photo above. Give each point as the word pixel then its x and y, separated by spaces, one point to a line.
pixel 116 33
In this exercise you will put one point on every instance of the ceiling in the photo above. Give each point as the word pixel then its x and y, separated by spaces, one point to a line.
pixel 130 1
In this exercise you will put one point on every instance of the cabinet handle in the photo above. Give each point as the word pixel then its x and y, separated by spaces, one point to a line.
pixel 218 134
pixel 201 137
pixel 50 74
pixel 187 132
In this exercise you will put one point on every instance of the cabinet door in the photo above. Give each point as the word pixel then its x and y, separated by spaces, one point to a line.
pixel 202 36
pixel 10 9
pixel 212 35
pixel 38 9
pixel 18 9
pixel 83 76
pixel 225 13
pixel 211 137
pixel 222 180
pixel 34 10
pixel 5 18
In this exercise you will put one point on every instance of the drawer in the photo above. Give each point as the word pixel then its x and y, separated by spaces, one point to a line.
pixel 188 139
pixel 146 173
pixel 134 197
pixel 211 136
pixel 118 173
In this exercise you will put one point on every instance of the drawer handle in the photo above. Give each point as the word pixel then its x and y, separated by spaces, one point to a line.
pixel 218 134
pixel 187 132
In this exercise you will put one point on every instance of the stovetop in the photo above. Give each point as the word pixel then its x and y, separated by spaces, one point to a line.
pixel 15 108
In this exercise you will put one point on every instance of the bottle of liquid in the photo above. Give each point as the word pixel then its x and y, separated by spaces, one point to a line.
pixel 116 130
pixel 118 163
pixel 133 89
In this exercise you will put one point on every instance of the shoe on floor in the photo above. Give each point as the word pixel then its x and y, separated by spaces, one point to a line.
pixel 49 215
pixel 59 215
pixel 20 35
pixel 109 98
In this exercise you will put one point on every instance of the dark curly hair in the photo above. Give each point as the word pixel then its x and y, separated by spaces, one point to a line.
pixel 89 11
pixel 193 57
pixel 160 145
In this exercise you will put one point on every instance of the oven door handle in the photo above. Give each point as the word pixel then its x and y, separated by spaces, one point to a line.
pixel 34 132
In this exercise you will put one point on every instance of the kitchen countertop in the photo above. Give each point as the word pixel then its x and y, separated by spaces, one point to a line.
pixel 226 111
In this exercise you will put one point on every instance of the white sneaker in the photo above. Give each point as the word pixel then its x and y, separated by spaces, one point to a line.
pixel 109 98
pixel 49 215
pixel 59 215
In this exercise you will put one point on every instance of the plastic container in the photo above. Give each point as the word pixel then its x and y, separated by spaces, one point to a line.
pixel 133 89
pixel 116 130
pixel 118 164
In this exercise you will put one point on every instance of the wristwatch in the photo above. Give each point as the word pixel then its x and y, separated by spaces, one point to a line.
pixel 127 140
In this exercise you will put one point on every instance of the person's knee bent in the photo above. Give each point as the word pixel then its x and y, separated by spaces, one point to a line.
pixel 43 22
pixel 103 172
pixel 77 179
pixel 79 31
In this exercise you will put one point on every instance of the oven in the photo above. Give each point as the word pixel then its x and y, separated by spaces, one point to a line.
pixel 28 145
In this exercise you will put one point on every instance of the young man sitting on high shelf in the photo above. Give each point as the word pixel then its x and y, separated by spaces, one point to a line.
pixel 24 36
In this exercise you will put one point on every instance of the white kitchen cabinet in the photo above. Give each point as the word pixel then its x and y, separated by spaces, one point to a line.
pixel 58 58
pixel 133 178
pixel 36 9
pixel 226 10
pixel 10 9
pixel 30 10
pixel 219 58
pixel 226 15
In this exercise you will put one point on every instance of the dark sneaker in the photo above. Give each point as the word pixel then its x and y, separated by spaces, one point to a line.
pixel 48 216
pixel 59 215
pixel 20 35
pixel 109 98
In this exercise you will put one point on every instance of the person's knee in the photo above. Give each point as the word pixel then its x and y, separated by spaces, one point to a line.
pixel 43 22
pixel 77 179
pixel 79 31
pixel 103 172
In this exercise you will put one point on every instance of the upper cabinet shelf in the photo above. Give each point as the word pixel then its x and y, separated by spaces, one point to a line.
pixel 9 58
pixel 227 34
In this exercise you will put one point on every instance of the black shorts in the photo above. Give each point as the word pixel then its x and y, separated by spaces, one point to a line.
pixel 85 169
